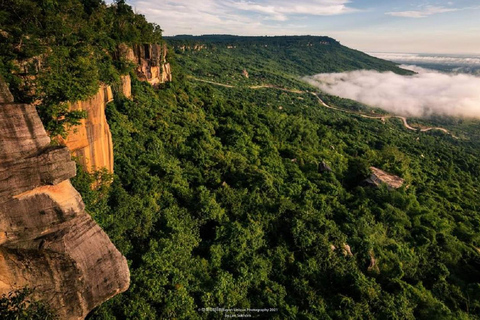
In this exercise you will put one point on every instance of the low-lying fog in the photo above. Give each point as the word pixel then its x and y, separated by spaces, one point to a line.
pixel 424 94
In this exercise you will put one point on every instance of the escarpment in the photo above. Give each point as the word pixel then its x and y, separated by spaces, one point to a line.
pixel 151 61
pixel 47 240
pixel 91 141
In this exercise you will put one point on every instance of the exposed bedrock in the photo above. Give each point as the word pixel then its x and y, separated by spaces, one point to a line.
pixel 47 240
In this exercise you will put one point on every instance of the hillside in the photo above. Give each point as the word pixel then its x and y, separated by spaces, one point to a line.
pixel 272 59
pixel 234 195
pixel 233 191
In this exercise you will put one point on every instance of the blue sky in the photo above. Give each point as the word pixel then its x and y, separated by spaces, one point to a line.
pixel 369 25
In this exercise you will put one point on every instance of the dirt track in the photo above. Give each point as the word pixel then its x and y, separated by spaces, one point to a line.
pixel 382 118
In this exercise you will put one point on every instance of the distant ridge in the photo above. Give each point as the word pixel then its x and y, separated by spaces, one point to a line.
pixel 284 55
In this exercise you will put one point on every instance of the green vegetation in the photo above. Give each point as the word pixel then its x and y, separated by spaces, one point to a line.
pixel 273 60
pixel 60 51
pixel 17 305
pixel 218 199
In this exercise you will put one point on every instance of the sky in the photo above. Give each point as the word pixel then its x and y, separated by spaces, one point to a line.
pixel 368 25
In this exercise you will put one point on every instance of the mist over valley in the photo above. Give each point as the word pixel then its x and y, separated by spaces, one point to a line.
pixel 272 172
pixel 453 91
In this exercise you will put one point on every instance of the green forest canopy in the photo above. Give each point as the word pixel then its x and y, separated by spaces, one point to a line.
pixel 60 51
pixel 218 200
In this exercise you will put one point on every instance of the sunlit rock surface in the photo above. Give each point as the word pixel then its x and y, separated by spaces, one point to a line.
pixel 47 240
pixel 91 141
pixel 151 62
pixel 379 177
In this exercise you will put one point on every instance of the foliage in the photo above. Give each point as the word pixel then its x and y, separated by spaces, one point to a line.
pixel 274 60
pixel 217 201
pixel 17 305
pixel 60 51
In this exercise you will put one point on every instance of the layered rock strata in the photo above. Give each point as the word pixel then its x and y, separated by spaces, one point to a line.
pixel 47 240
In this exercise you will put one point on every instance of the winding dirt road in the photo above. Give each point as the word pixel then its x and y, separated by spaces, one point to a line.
pixel 382 118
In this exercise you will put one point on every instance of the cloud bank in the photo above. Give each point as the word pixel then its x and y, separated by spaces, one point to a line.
pixel 424 94
pixel 444 63
pixel 281 9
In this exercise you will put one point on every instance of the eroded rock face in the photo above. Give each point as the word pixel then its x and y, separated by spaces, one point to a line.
pixel 91 141
pixel 5 95
pixel 126 86
pixel 47 240
pixel 151 61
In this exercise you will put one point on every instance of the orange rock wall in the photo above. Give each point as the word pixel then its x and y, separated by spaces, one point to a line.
pixel 91 141
pixel 151 62
pixel 126 86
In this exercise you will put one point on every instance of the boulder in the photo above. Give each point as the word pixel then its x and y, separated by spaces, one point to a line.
pixel 379 177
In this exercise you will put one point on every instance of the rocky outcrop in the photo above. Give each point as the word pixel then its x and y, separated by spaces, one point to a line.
pixel 91 141
pixel 5 95
pixel 346 249
pixel 379 177
pixel 324 167
pixel 126 86
pixel 196 47
pixel 151 62
pixel 373 267
pixel 47 240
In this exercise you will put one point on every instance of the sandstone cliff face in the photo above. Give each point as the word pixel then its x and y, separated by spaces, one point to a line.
pixel 126 86
pixel 47 240
pixel 151 61
pixel 91 141
pixel 5 95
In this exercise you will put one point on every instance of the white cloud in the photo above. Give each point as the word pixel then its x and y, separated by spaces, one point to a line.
pixel 423 13
pixel 420 95
pixel 193 17
pixel 280 10
pixel 231 16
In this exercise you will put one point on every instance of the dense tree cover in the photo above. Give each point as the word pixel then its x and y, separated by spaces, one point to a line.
pixel 217 198
pixel 59 51
pixel 217 201
pixel 269 59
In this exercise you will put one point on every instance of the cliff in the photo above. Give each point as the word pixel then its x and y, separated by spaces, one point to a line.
pixel 47 240
pixel 151 61
pixel 91 141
